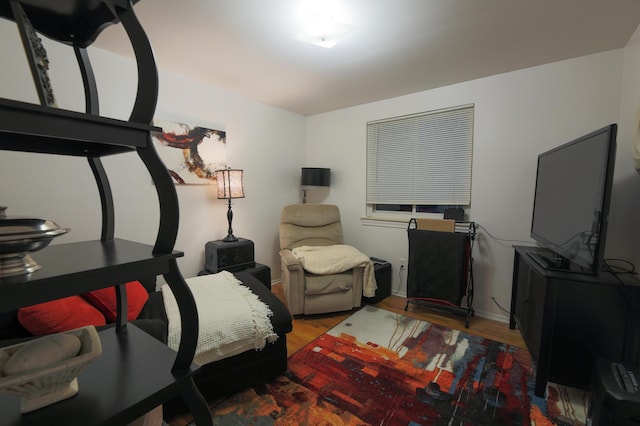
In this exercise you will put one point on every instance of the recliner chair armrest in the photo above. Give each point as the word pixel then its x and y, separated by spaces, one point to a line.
pixel 290 260
pixel 292 281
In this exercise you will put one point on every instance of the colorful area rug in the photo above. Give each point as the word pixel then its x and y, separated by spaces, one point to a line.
pixel 381 368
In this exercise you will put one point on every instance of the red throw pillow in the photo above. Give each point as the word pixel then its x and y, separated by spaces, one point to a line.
pixel 59 315
pixel 105 300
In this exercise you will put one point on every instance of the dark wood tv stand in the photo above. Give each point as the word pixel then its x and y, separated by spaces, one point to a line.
pixel 568 320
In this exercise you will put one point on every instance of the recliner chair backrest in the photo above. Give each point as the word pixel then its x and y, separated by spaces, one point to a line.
pixel 310 225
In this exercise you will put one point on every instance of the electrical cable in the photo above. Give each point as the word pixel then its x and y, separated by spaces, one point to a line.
pixel 507 313
pixel 631 297
pixel 500 240
pixel 632 302
pixel 400 278
pixel 615 270
pixel 630 269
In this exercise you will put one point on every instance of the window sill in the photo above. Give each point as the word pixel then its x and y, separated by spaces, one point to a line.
pixel 394 221
pixel 386 222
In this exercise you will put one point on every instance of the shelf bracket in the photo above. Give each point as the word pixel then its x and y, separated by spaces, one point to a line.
pixel 92 105
pixel 122 307
pixel 106 198
pixel 147 94
pixel 167 196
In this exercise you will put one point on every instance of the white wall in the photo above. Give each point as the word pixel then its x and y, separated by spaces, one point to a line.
pixel 517 116
pixel 264 141
pixel 624 235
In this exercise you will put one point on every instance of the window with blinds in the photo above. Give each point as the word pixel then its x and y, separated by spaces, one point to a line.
pixel 421 162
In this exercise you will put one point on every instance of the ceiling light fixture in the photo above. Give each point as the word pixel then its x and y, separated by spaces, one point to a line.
pixel 321 23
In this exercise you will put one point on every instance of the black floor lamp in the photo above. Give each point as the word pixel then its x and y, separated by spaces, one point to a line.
pixel 230 186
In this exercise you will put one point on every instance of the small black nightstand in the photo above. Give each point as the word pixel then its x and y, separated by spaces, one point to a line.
pixel 383 280
pixel 234 256
pixel 229 256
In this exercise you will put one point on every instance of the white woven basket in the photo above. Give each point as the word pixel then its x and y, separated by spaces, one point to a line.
pixel 39 388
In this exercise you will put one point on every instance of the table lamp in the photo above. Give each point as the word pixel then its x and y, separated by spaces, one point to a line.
pixel 230 186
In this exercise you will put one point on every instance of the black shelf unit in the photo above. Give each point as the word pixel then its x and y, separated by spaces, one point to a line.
pixel 124 383
pixel 73 268
pixel 135 372
pixel 41 129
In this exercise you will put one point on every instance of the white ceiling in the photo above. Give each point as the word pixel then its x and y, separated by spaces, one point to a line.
pixel 397 47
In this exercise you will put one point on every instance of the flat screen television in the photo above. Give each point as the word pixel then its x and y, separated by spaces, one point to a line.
pixel 571 203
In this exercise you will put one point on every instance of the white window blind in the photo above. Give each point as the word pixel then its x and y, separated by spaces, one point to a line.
pixel 421 159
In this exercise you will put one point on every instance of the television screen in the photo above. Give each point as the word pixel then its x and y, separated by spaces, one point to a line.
pixel 571 204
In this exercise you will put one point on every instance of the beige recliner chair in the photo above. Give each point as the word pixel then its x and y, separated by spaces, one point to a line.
pixel 315 225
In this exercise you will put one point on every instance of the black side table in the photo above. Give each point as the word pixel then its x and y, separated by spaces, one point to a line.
pixel 382 270
pixel 229 256
pixel 234 256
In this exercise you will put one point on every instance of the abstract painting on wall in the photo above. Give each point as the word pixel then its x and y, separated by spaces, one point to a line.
pixel 192 154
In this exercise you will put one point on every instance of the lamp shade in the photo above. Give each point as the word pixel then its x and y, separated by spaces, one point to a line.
pixel 230 183
pixel 315 176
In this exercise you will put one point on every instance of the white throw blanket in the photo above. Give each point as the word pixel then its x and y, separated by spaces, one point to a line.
pixel 231 319
pixel 337 258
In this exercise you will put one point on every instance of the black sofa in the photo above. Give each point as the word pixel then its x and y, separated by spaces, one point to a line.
pixel 249 368
pixel 215 379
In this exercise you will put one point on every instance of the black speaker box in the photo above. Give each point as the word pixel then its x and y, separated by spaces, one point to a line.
pixel 229 256
pixel 615 396
pixel 455 213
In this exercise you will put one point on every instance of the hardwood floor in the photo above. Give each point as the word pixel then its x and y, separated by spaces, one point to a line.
pixel 308 327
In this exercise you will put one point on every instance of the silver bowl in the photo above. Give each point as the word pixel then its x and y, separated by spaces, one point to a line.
pixel 21 236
